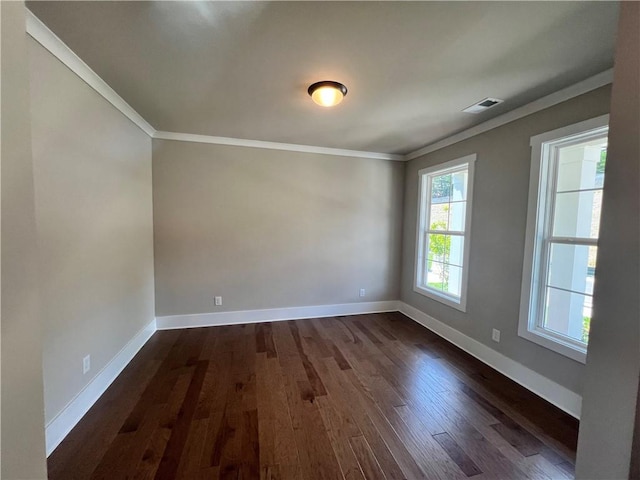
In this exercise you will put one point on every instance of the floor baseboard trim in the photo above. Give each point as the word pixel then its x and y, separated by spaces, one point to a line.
pixel 551 391
pixel 272 314
pixel 58 428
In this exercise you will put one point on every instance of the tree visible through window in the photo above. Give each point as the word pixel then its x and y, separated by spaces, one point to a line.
pixel 439 250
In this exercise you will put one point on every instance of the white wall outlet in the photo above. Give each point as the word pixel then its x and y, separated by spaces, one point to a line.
pixel 495 335
pixel 218 301
pixel 86 364
pixel 362 292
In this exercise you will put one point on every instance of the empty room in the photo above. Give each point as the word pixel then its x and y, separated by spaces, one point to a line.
pixel 320 240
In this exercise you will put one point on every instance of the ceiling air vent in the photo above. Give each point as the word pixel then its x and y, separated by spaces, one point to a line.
pixel 483 105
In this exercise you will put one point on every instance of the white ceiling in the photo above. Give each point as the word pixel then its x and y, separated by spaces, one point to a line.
pixel 241 69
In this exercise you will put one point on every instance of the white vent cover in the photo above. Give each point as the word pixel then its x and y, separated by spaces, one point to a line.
pixel 483 105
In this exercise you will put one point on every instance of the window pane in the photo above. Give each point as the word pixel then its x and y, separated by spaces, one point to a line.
pixel 439 247
pixel 457 213
pixel 453 284
pixel 459 185
pixel 456 250
pixel 439 216
pixel 442 230
pixel 445 278
pixel 441 188
pixel 595 218
pixel 567 313
pixel 600 168
pixel 577 214
pixel 581 166
pixel 436 275
pixel 572 267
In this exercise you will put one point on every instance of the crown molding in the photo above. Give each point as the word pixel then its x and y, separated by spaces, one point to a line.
pixel 49 40
pixel 591 83
pixel 290 147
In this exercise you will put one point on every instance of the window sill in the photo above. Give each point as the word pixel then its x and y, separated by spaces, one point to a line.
pixel 568 350
pixel 438 297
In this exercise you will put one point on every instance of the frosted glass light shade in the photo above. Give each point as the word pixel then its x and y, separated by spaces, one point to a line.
pixel 327 93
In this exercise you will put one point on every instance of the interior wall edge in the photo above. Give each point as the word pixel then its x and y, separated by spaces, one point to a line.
pixel 611 375
pixel 634 468
pixel 21 332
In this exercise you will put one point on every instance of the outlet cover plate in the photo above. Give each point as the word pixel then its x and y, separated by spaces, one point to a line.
pixel 495 335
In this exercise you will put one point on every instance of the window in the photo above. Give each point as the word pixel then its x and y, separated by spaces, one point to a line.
pixel 565 196
pixel 444 216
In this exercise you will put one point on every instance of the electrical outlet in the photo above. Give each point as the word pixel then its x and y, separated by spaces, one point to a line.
pixel 362 292
pixel 495 335
pixel 86 364
pixel 218 301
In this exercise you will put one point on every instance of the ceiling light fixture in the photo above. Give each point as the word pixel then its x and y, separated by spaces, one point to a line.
pixel 327 93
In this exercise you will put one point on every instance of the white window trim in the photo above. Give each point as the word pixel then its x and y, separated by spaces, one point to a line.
pixel 531 266
pixel 433 294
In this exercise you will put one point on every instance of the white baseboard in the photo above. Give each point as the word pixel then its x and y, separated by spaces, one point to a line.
pixel 272 314
pixel 61 424
pixel 551 391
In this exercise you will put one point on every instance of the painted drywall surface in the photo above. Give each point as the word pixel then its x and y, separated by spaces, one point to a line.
pixel 23 451
pixel 634 473
pixel 613 359
pixel 498 234
pixel 92 170
pixel 268 229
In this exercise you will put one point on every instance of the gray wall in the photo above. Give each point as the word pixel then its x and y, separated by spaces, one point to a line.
pixel 634 473
pixel 497 234
pixel 22 404
pixel 92 171
pixel 613 359
pixel 267 228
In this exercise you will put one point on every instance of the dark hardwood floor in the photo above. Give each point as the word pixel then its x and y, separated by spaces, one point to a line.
pixel 368 396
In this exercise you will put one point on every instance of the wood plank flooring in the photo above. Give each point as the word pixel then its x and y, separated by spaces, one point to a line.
pixel 357 397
